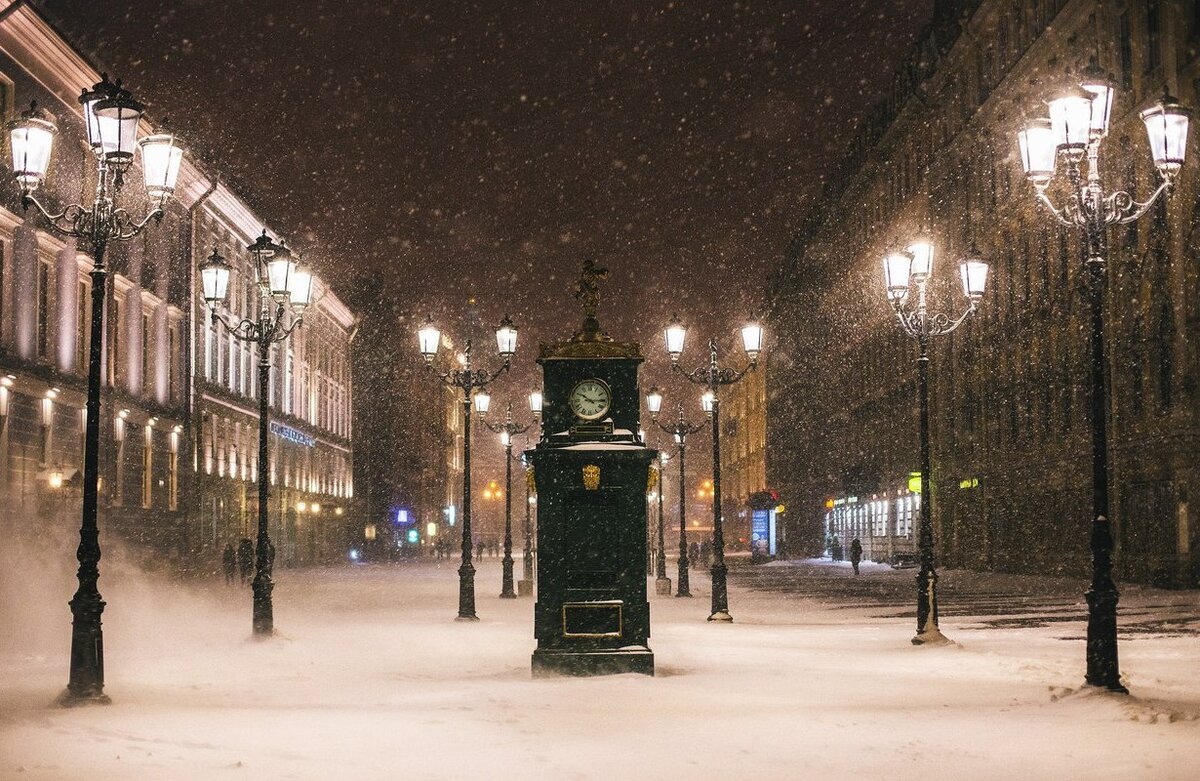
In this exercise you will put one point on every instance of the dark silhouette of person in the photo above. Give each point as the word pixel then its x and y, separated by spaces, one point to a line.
pixel 229 559
pixel 479 550
pixel 855 554
pixel 245 558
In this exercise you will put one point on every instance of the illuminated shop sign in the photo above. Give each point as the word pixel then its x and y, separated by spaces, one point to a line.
pixel 292 435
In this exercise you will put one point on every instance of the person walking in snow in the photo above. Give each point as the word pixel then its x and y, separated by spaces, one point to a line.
pixel 229 559
pixel 245 557
pixel 855 554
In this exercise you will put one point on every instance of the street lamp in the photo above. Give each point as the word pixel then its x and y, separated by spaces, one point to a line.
pixel 471 382
pixel 111 117
pixel 1091 211
pixel 507 430
pixel 902 270
pixel 712 377
pixel 679 431
pixel 284 291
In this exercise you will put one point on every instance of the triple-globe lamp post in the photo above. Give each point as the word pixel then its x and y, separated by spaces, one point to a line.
pixel 469 380
pixel 1069 141
pixel 111 118
pixel 907 273
pixel 507 430
pixel 284 291
pixel 713 377
pixel 679 431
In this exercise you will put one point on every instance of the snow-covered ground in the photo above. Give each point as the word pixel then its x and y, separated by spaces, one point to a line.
pixel 371 678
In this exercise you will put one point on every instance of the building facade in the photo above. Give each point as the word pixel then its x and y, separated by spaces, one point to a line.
pixel 1010 436
pixel 743 451
pixel 169 417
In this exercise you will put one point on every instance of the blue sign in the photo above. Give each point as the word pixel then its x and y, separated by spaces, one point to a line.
pixel 402 518
pixel 292 435
pixel 762 533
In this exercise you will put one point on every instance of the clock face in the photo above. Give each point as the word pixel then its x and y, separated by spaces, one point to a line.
pixel 590 399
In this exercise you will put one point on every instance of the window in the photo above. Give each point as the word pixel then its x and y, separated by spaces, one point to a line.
pixel 114 338
pixel 173 362
pixel 147 346
pixel 173 473
pixel 43 310
pixel 147 468
pixel 1153 39
pixel 1126 37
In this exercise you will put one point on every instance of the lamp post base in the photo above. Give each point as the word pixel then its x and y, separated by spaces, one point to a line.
pixel 466 618
pixel 662 587
pixel 932 636
pixel 524 588
pixel 722 616
pixel 69 699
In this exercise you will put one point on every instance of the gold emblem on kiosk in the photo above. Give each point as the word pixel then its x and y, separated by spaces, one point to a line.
pixel 591 477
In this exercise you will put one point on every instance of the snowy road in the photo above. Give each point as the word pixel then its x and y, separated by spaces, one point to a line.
pixel 370 678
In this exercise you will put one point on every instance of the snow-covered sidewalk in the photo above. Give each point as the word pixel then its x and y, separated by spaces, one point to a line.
pixel 371 678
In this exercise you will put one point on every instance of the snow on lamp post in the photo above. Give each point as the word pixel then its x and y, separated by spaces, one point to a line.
pixel 679 431
pixel 111 117
pixel 712 377
pixel 507 430
pixel 284 289
pixel 903 271
pixel 1091 210
pixel 471 382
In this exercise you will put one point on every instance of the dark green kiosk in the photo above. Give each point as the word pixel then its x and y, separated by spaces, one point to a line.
pixel 591 471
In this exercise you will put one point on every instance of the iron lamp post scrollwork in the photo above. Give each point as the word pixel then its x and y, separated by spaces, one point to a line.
pixel 284 288
pixel 507 430
pixel 712 377
pixel 904 270
pixel 680 430
pixel 111 118
pixel 1072 134
pixel 472 382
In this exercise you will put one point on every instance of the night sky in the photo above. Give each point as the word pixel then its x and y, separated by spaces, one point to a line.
pixel 425 151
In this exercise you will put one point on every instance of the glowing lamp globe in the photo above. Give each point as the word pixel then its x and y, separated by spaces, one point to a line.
pixel 1167 129
pixel 161 157
pixel 214 279
pixel 429 338
pixel 675 334
pixel 31 136
pixel 1039 151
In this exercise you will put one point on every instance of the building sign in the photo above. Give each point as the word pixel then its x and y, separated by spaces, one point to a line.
pixel 292 435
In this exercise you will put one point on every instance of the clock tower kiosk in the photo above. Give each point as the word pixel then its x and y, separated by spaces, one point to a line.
pixel 592 471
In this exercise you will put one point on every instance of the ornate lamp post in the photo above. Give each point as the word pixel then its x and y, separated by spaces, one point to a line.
pixel 469 380
pixel 525 584
pixel 111 117
pixel 1076 127
pixel 680 430
pixel 284 292
pixel 507 430
pixel 712 377
pixel 902 270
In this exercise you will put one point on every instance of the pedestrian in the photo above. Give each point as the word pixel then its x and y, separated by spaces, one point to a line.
pixel 245 559
pixel 706 552
pixel 694 553
pixel 835 551
pixel 229 559
pixel 479 550
pixel 855 554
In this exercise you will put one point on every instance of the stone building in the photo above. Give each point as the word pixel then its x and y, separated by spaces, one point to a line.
pixel 174 407
pixel 1010 436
